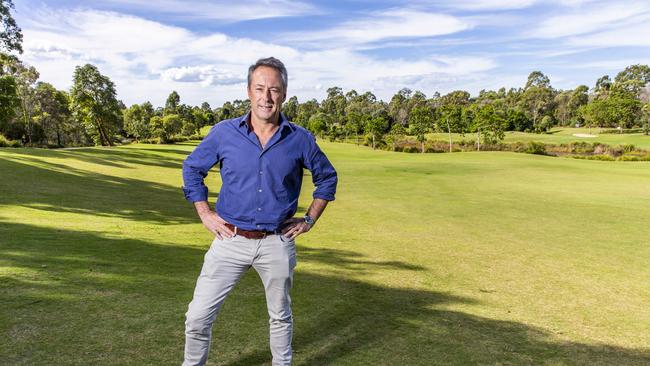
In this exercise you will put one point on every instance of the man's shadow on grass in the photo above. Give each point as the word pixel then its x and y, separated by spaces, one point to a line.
pixel 91 299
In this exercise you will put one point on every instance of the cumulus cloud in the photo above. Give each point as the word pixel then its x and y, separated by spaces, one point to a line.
pixel 206 75
pixel 147 59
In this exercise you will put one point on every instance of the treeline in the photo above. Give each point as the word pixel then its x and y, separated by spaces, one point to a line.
pixel 35 113
pixel 536 107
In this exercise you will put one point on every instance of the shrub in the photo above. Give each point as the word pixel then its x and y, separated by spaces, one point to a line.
pixel 600 157
pixel 581 147
pixel 537 148
pixel 4 142
pixel 624 130
pixel 615 151
pixel 411 149
pixel 628 148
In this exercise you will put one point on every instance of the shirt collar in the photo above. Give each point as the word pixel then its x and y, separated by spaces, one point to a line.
pixel 284 122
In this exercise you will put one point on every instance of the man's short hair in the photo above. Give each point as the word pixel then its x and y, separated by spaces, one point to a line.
pixel 273 63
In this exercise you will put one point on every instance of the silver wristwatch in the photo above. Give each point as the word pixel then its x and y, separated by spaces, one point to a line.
pixel 309 220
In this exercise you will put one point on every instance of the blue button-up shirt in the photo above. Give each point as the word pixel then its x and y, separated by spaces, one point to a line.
pixel 260 186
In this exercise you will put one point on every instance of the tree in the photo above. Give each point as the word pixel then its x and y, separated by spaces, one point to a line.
pixel 397 131
pixel 603 85
pixel 376 126
pixel 305 111
pixel 420 122
pixel 488 123
pixel 562 109
pixel 334 106
pixel 290 108
pixel 537 98
pixel 355 123
pixel 94 104
pixel 9 101
pixel 11 37
pixel 172 103
pixel 52 112
pixel 26 77
pixel 620 109
pixel 579 97
pixel 633 78
pixel 537 79
pixel 137 120
pixel 450 112
pixel 318 123
pixel 398 106
pixel 646 114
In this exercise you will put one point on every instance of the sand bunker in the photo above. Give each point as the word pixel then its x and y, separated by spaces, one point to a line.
pixel 583 135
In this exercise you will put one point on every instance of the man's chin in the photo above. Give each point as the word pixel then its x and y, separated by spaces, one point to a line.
pixel 266 116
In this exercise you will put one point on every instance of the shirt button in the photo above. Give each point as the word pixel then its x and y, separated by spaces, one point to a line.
pixel 260 172
pixel 257 226
pixel 259 209
pixel 259 190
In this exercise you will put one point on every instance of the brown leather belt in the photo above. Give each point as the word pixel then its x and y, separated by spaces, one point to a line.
pixel 250 234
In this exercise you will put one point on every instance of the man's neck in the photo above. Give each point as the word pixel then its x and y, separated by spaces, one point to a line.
pixel 264 127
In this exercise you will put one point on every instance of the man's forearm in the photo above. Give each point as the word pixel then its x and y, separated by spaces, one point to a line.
pixel 202 207
pixel 316 208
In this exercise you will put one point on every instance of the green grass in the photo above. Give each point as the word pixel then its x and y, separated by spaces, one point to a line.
pixel 466 258
pixel 562 135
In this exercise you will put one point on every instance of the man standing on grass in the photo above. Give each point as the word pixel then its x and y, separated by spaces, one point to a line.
pixel 261 156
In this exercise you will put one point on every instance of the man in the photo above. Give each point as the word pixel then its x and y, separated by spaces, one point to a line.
pixel 261 156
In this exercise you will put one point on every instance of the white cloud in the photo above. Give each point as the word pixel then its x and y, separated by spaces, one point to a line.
pixel 206 75
pixel 633 35
pixel 389 24
pixel 488 4
pixel 147 59
pixel 593 18
pixel 220 10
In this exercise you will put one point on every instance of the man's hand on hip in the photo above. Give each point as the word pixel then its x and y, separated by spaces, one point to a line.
pixel 294 227
pixel 212 221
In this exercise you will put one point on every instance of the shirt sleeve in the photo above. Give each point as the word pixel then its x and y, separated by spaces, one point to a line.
pixel 197 165
pixel 322 171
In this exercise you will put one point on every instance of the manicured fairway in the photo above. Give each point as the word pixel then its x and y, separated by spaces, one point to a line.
pixel 423 259
pixel 562 136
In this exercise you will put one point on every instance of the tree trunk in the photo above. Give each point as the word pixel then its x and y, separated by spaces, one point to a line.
pixel 103 135
pixel 478 140
pixel 422 147
pixel 28 124
pixel 449 131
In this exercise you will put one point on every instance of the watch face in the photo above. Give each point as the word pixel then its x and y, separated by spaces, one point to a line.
pixel 309 220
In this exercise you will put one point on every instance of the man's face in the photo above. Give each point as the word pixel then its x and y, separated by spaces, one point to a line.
pixel 266 93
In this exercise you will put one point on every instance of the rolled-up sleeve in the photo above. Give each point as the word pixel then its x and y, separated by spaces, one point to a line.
pixel 197 165
pixel 322 171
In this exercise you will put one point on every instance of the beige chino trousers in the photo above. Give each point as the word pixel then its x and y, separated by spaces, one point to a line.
pixel 274 259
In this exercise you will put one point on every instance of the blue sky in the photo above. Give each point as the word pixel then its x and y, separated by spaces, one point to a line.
pixel 202 48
